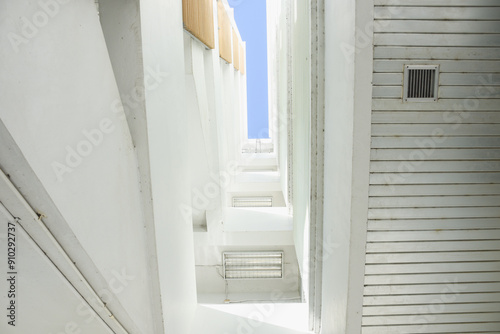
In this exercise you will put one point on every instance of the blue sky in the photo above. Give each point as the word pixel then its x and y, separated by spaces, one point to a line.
pixel 250 16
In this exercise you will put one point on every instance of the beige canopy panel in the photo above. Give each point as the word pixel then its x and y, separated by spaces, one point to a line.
pixel 224 33
pixel 199 20
pixel 242 58
pixel 236 49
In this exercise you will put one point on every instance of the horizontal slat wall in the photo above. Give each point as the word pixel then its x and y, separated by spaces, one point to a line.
pixel 433 243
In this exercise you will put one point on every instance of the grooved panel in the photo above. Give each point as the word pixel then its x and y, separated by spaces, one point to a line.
pixel 433 241
pixel 443 318
pixel 419 299
pixel 433 26
pixel 412 309
pixel 415 156
pixel 438 3
pixel 472 327
pixel 418 142
pixel 433 201
pixel 430 257
pixel 436 13
pixel 445 92
pixel 432 246
pixel 446 131
pixel 446 66
pixel 436 117
pixel 433 189
pixel 446 79
pixel 198 17
pixel 439 224
pixel 434 235
pixel 446 53
pixel 470 40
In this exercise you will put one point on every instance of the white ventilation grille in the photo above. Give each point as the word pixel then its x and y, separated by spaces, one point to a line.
pixel 252 265
pixel 253 202
pixel 421 83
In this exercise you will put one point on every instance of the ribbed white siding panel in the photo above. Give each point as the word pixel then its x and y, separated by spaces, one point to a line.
pixel 433 248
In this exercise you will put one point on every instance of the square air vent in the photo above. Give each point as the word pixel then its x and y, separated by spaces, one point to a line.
pixel 421 83
pixel 252 265
pixel 253 202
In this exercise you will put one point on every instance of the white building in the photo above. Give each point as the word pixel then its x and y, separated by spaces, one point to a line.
pixel 126 172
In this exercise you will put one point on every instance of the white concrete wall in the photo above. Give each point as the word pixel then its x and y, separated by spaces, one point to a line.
pixel 346 162
pixel 301 115
pixel 283 125
pixel 163 48
pixel 39 291
pixel 339 19
pixel 278 61
pixel 61 111
pixel 289 57
pixel 121 25
pixel 203 148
